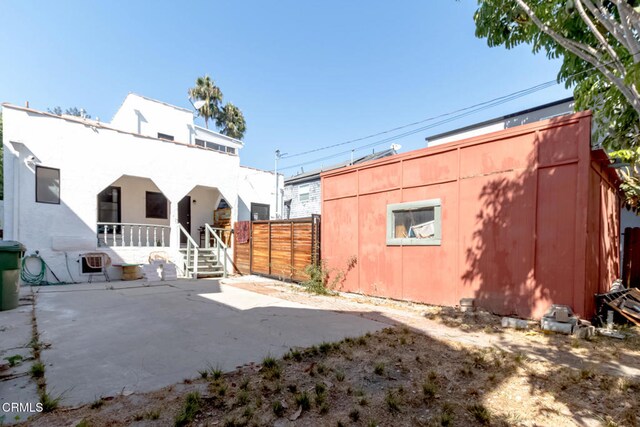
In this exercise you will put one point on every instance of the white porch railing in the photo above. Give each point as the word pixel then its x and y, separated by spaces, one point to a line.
pixel 191 255
pixel 218 244
pixel 133 235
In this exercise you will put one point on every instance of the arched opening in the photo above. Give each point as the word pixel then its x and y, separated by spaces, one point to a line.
pixel 133 211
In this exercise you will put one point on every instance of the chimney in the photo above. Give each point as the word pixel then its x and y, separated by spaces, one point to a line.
pixel 26 104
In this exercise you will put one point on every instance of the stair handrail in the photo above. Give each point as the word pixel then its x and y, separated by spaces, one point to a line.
pixel 190 244
pixel 210 231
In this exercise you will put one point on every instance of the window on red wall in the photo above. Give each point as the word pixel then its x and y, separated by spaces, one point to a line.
pixel 414 223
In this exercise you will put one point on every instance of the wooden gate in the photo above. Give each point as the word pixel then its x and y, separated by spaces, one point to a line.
pixel 281 249
pixel 631 257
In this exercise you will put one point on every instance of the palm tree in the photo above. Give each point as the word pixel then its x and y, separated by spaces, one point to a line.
pixel 207 91
pixel 231 121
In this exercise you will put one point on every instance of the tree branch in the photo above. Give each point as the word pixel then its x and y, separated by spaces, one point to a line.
pixel 630 12
pixel 615 60
pixel 630 20
pixel 581 50
pixel 622 33
pixel 629 92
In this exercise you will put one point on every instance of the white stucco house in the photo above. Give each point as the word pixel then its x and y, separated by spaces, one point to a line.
pixel 149 181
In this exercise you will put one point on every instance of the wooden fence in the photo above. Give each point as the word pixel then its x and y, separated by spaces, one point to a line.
pixel 280 249
pixel 631 257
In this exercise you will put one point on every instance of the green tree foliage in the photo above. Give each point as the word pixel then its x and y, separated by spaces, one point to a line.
pixel 73 111
pixel 228 118
pixel 599 44
pixel 207 91
pixel 231 122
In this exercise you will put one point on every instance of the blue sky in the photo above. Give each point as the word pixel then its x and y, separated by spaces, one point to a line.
pixel 306 74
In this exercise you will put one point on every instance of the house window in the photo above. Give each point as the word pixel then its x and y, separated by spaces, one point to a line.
pixel 216 147
pixel 47 185
pixel 156 205
pixel 303 192
pixel 259 212
pixel 109 201
pixel 165 136
pixel 414 223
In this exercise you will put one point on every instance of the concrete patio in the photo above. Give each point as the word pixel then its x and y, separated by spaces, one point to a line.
pixel 122 337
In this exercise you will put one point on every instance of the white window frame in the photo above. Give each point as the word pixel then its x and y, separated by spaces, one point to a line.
pixel 306 192
pixel 436 204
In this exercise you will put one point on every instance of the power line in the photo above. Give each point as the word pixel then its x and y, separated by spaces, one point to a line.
pixel 463 112
pixel 471 109
pixel 507 98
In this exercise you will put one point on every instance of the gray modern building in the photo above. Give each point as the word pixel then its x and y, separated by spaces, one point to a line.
pixel 541 112
pixel 302 191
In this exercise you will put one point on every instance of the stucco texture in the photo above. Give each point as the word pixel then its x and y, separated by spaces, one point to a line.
pixel 529 219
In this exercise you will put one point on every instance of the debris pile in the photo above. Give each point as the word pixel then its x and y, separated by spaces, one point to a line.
pixel 625 302
pixel 560 318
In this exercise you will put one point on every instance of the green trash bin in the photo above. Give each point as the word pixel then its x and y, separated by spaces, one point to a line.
pixel 11 254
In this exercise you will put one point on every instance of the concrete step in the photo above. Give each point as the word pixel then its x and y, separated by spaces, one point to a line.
pixel 214 265
pixel 207 268
pixel 208 275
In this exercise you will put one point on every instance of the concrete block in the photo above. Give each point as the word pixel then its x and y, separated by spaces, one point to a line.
pixel 512 322
pixel 169 272
pixel 561 313
pixel 549 324
pixel 584 331
pixel 467 305
pixel 150 272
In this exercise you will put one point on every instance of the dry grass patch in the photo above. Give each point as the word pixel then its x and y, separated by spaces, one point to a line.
pixel 377 380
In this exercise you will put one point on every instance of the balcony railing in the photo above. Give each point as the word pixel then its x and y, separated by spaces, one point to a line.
pixel 132 235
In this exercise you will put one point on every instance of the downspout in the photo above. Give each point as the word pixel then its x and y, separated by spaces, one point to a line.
pixel 17 172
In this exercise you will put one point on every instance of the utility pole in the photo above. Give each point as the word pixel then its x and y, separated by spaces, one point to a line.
pixel 279 155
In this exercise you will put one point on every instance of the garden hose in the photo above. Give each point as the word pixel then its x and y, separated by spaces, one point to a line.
pixel 39 278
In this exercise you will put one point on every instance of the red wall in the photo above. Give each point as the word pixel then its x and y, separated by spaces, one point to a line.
pixel 527 215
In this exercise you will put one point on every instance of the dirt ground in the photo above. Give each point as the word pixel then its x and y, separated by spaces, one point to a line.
pixel 431 367
pixel 395 377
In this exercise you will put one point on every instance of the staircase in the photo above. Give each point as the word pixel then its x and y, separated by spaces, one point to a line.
pixel 208 265
pixel 208 261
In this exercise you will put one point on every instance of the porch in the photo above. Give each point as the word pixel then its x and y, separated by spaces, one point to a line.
pixel 134 213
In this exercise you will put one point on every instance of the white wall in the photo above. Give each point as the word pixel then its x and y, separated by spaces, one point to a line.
pixel 90 158
pixel 494 127
pixel 628 219
pixel 258 186
pixel 206 201
pixel 144 116
pixel 133 200
pixel 148 117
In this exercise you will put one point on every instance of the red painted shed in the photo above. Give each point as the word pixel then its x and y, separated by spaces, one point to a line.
pixel 518 219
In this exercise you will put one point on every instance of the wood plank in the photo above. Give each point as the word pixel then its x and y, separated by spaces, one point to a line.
pixel 281 248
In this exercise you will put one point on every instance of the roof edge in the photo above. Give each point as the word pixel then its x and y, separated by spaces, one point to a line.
pixel 468 141
pixel 101 125
pixel 237 141
pixel 497 119
pixel 158 102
